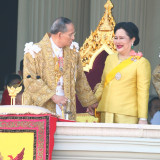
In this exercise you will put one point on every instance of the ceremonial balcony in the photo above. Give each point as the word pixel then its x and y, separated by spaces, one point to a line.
pixel 99 141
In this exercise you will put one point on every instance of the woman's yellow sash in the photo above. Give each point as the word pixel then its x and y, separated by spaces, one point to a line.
pixel 117 69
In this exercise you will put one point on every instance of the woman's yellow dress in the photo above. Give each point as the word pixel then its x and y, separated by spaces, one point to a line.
pixel 126 98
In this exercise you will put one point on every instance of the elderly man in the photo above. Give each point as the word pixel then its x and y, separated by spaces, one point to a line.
pixel 53 72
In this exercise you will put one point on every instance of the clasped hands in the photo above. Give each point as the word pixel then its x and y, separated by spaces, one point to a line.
pixel 91 109
pixel 60 100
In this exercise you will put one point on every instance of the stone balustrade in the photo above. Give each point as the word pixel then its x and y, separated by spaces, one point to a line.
pixel 99 141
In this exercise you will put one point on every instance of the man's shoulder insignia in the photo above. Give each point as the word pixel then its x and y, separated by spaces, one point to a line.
pixel 74 46
pixel 31 48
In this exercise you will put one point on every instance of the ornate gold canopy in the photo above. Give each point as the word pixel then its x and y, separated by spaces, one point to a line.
pixel 99 40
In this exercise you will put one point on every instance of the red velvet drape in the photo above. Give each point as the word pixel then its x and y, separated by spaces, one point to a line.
pixel 93 76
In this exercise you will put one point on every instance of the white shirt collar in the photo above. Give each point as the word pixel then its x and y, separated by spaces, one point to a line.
pixel 57 51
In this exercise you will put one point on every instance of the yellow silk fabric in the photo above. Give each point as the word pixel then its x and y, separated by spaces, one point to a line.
pixel 117 69
pixel 107 117
pixel 85 117
pixel 13 143
pixel 129 95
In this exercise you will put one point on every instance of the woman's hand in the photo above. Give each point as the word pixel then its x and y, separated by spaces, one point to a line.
pixel 142 121
pixel 91 109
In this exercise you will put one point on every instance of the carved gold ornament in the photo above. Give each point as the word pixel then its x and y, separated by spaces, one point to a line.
pixel 13 93
pixel 99 40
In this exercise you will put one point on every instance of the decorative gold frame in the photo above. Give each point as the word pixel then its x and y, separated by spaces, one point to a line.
pixel 99 40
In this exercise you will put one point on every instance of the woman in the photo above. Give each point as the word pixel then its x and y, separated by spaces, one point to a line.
pixel 124 90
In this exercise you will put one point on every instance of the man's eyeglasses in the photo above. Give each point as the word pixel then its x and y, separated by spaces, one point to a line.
pixel 71 35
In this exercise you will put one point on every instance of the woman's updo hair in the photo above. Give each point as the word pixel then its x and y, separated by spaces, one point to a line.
pixel 131 30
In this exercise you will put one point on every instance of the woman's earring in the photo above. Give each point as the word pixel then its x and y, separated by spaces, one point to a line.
pixel 132 46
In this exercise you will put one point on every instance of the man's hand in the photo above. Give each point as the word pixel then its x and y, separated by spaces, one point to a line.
pixel 142 121
pixel 60 100
pixel 91 109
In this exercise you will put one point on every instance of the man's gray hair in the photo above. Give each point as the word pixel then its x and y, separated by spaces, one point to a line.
pixel 59 25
